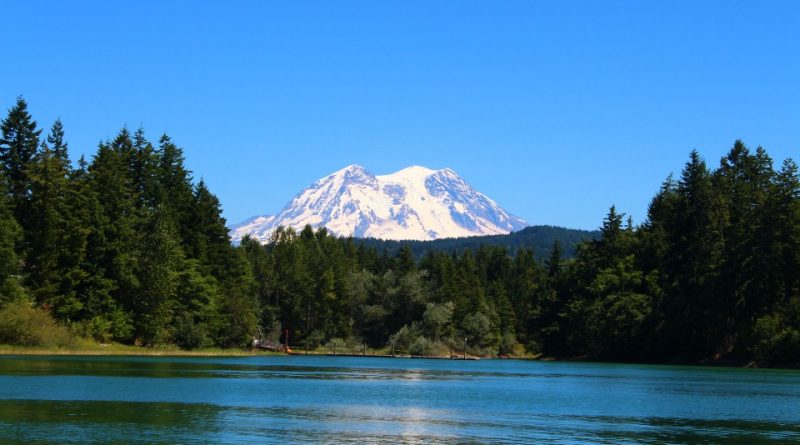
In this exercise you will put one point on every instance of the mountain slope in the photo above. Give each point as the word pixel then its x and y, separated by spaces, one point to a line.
pixel 415 203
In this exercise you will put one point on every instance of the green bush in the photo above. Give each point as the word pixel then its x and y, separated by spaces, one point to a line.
pixel 421 346
pixel 314 339
pixel 480 331
pixel 188 334
pixel 22 324
pixel 100 329
pixel 336 345
pixel 403 338
pixel 112 326
pixel 510 346
pixel 776 341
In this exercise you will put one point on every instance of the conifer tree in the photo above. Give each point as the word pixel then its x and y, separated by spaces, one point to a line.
pixel 693 264
pixel 785 211
pixel 45 233
pixel 160 263
pixel 209 242
pixel 57 144
pixel 553 263
pixel 9 236
pixel 116 245
pixel 145 170
pixel 405 260
pixel 18 144
pixel 174 188
pixel 101 316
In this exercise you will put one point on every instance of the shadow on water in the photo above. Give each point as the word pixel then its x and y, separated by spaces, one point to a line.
pixel 46 421
pixel 186 368
pixel 38 421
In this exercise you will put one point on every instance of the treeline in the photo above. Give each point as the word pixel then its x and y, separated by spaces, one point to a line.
pixel 712 274
pixel 125 247
pixel 129 248
pixel 538 238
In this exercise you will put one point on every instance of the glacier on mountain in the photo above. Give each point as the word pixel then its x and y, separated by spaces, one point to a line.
pixel 415 203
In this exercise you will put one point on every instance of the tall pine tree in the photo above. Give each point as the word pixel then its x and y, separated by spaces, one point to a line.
pixel 9 264
pixel 18 145
pixel 46 232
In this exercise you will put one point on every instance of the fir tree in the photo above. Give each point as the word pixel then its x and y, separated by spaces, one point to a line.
pixel 145 171
pixel 159 264
pixel 116 245
pixel 9 263
pixel 56 142
pixel 45 233
pixel 554 261
pixel 174 190
pixel 18 145
pixel 210 242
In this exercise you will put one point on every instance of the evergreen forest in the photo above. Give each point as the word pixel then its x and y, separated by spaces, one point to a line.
pixel 538 238
pixel 128 247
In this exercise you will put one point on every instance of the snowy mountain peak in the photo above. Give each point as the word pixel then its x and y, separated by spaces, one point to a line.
pixel 414 171
pixel 352 170
pixel 350 174
pixel 413 203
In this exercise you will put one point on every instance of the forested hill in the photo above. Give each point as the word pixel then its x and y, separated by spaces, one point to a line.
pixel 538 238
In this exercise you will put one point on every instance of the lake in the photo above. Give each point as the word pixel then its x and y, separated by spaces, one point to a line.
pixel 318 399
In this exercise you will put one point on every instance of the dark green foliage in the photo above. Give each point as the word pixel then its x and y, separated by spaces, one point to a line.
pixel 716 252
pixel 122 248
pixel 10 233
pixel 711 274
pixel 234 321
pixel 205 232
pixel 47 237
pixel 127 248
pixel 57 143
pixel 117 239
pixel 158 269
pixel 18 145
pixel 538 238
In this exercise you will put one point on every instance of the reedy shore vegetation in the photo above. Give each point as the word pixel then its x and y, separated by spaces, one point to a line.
pixel 129 248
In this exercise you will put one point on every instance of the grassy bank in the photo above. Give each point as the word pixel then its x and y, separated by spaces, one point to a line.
pixel 88 347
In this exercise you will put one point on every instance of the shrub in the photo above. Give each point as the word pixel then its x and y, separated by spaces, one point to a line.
pixel 480 331
pixel 421 346
pixel 510 346
pixel 22 324
pixel 776 341
pixel 315 339
pixel 188 334
pixel 403 338
pixel 336 345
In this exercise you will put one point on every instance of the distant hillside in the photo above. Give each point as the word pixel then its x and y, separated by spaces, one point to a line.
pixel 539 238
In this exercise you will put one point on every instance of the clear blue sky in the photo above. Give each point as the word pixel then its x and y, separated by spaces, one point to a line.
pixel 555 109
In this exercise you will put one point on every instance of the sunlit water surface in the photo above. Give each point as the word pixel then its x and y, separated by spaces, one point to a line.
pixel 49 399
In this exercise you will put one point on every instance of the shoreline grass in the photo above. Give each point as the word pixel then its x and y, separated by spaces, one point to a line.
pixel 90 348
pixel 87 347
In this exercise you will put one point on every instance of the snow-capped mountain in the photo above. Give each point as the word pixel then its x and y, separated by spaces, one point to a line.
pixel 414 203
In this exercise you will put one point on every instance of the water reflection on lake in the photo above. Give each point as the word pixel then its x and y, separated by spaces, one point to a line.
pixel 48 399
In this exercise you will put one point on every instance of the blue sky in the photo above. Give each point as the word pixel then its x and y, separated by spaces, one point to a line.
pixel 554 109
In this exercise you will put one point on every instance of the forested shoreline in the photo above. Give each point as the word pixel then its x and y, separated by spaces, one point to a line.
pixel 129 248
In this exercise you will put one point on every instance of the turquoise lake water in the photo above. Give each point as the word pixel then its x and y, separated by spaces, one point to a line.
pixel 60 399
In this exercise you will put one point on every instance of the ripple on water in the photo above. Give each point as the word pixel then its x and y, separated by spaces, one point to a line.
pixel 362 400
